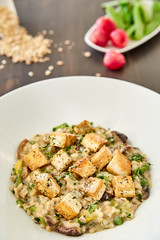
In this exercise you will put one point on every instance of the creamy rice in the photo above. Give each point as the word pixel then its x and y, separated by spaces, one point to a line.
pixel 94 215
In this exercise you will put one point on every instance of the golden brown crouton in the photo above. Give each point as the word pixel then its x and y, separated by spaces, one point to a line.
pixel 123 186
pixel 69 207
pixel 83 127
pixel 93 141
pixel 102 157
pixel 83 167
pixel 47 185
pixel 119 165
pixel 35 159
pixel 95 188
pixel 62 139
pixel 61 160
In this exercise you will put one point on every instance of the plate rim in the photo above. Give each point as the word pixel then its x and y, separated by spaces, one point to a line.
pixel 77 77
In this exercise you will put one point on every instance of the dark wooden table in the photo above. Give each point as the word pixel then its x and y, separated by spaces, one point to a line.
pixel 70 19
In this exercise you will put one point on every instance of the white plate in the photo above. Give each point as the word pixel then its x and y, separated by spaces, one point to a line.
pixel 38 107
pixel 131 44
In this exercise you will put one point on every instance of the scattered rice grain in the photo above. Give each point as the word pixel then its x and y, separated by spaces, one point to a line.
pixel 4 62
pixel 67 42
pixel 60 63
pixel 51 67
pixel 1 67
pixel 48 72
pixel 60 49
pixel 30 74
pixel 98 74
pixel 87 54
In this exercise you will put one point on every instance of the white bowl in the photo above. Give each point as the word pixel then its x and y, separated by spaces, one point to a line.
pixel 38 107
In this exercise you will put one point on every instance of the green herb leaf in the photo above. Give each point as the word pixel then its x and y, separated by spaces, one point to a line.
pixel 32 208
pixel 136 157
pixel 81 223
pixel 144 182
pixel 144 168
pixel 118 221
pixel 92 207
pixel 20 203
pixel 139 196
pixel 37 219
pixel 19 178
pixel 63 125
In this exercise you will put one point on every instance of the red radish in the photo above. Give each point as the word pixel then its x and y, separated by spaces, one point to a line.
pixel 119 38
pixel 105 24
pixel 99 37
pixel 114 60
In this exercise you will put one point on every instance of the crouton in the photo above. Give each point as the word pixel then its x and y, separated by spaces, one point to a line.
pixel 123 186
pixel 95 188
pixel 61 160
pixel 69 207
pixel 35 159
pixel 62 140
pixel 83 127
pixel 47 185
pixel 102 157
pixel 83 167
pixel 93 141
pixel 119 165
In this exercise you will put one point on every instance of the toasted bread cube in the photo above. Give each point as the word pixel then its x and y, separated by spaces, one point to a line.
pixel 61 160
pixel 93 141
pixel 69 207
pixel 83 127
pixel 62 139
pixel 47 185
pixel 102 157
pixel 123 186
pixel 35 159
pixel 84 168
pixel 119 165
pixel 95 188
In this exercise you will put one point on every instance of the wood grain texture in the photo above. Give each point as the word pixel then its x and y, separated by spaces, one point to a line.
pixel 70 19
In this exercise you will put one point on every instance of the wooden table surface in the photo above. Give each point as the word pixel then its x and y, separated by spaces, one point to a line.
pixel 70 19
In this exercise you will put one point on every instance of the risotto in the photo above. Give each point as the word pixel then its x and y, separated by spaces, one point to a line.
pixel 80 179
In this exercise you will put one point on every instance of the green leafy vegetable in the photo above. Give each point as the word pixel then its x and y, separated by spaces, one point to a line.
pixel 63 125
pixel 40 219
pixel 139 196
pixel 136 157
pixel 92 207
pixel 118 221
pixel 20 203
pixel 32 208
pixel 19 177
pixel 143 182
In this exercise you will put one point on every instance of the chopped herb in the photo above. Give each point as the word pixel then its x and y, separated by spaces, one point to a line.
pixel 20 203
pixel 74 183
pixel 45 147
pixel 32 142
pixel 144 168
pixel 111 139
pixel 57 217
pixel 92 207
pixel 136 157
pixel 144 182
pixel 46 171
pixel 63 125
pixel 139 196
pixel 32 208
pixel 37 219
pixel 74 197
pixel 128 215
pixel 19 178
pixel 91 123
pixel 81 223
pixel 71 176
pixel 73 126
pixel 103 177
pixel 53 140
pixel 118 221
pixel 80 140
